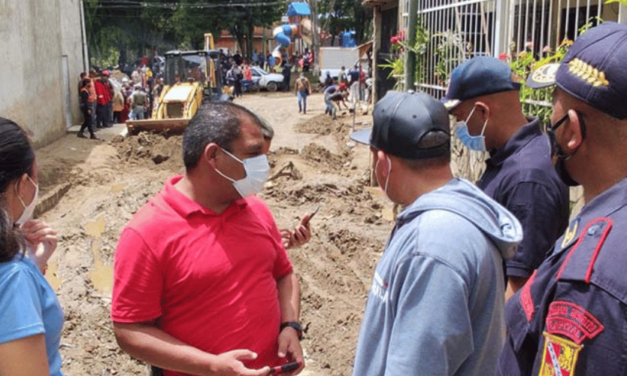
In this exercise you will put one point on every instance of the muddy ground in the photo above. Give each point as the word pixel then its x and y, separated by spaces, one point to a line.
pixel 106 183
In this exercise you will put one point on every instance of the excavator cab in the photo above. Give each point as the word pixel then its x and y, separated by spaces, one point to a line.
pixel 190 78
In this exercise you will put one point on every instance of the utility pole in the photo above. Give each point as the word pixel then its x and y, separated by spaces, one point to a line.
pixel 315 36
pixel 410 56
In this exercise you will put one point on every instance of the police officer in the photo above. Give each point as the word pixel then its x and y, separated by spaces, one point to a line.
pixel 571 316
pixel 484 97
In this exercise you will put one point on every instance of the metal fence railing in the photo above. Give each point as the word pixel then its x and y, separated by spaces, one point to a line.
pixel 518 31
pixel 462 29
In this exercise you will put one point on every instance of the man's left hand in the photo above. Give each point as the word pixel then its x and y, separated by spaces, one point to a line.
pixel 289 346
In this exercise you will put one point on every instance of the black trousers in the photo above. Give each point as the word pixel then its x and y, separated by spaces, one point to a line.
pixel 237 88
pixel 87 123
pixel 102 116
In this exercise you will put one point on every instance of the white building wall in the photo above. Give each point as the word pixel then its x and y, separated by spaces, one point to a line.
pixel 34 36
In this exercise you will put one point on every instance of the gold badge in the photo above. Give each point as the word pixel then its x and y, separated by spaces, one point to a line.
pixel 545 74
pixel 570 233
pixel 559 356
pixel 587 73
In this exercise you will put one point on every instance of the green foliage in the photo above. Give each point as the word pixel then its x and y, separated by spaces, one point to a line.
pixel 537 101
pixel 420 48
pixel 154 26
pixel 449 48
pixel 342 15
pixel 623 2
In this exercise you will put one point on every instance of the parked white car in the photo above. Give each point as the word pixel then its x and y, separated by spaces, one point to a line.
pixel 265 80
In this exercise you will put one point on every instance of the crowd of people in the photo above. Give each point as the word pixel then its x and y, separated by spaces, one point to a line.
pixel 485 279
pixel 102 104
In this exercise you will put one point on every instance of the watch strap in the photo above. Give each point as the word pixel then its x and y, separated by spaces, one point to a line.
pixel 294 325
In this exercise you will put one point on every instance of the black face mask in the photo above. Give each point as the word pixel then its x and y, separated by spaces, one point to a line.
pixel 558 156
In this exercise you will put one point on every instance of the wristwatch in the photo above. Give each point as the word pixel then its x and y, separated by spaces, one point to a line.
pixel 294 325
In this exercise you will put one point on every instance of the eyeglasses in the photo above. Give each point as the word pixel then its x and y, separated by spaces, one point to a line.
pixel 550 131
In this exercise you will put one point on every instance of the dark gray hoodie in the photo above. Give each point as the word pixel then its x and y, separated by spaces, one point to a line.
pixel 436 302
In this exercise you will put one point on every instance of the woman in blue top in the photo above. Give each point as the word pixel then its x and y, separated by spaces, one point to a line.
pixel 31 318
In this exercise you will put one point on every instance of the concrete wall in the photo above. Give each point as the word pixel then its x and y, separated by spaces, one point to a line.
pixel 72 48
pixel 32 42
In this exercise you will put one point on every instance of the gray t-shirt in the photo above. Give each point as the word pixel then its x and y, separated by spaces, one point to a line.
pixel 138 98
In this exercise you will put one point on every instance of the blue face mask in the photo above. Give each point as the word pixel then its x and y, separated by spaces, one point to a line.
pixel 471 142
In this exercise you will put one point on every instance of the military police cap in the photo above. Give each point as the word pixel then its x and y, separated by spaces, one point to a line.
pixel 594 70
pixel 479 76
pixel 402 120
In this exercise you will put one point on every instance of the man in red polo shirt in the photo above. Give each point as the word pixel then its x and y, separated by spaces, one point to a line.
pixel 103 91
pixel 203 284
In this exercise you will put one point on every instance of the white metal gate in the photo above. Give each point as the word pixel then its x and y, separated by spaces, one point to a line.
pixel 462 29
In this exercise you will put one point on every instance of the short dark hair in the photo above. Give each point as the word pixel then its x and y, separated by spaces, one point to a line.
pixel 17 158
pixel 217 123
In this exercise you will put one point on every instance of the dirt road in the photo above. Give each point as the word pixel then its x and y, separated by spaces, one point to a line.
pixel 106 183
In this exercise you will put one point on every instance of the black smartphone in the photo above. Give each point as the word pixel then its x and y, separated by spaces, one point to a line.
pixel 289 367
pixel 311 215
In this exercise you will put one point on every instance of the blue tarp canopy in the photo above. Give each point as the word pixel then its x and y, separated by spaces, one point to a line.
pixel 298 9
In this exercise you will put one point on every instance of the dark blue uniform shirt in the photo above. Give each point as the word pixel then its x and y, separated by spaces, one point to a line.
pixel 571 316
pixel 520 176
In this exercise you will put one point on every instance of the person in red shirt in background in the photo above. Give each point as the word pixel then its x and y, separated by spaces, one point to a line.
pixel 103 93
pixel 203 284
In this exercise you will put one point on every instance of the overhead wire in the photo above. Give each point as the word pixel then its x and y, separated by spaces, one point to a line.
pixel 142 4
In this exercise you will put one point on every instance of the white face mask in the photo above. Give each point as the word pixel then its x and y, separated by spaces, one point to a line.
pixel 257 171
pixel 29 209
pixel 387 180
pixel 472 142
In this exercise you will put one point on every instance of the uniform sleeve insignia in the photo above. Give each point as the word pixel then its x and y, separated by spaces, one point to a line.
pixel 570 233
pixel 572 321
pixel 526 300
pixel 545 74
pixel 559 356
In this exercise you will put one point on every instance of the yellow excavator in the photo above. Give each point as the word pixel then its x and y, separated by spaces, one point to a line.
pixel 190 78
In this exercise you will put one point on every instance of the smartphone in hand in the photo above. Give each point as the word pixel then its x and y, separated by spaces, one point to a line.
pixel 311 216
pixel 289 367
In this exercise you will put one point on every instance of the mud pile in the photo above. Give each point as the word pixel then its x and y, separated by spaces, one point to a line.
pixel 322 125
pixel 112 181
pixel 153 147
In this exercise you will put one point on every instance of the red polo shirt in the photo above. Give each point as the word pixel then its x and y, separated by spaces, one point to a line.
pixel 103 92
pixel 210 278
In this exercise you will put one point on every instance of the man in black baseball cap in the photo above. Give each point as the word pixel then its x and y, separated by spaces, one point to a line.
pixel 571 317
pixel 436 301
pixel 484 97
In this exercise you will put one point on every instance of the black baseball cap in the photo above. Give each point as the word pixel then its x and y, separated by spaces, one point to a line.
pixel 594 70
pixel 401 120
pixel 479 76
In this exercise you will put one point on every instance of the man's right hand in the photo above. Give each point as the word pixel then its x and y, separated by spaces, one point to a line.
pixel 229 364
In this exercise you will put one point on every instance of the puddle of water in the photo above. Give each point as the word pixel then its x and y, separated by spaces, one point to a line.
pixel 96 227
pixel 118 187
pixel 101 275
pixel 52 276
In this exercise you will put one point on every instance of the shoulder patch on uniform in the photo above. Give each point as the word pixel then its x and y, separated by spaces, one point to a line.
pixel 526 300
pixel 559 356
pixel 570 233
pixel 572 321
pixel 593 235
